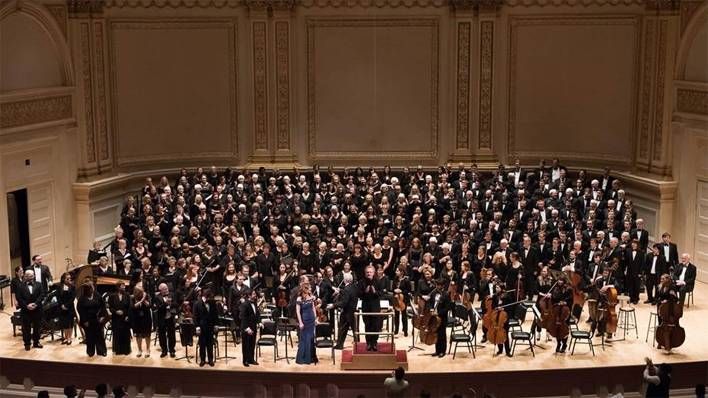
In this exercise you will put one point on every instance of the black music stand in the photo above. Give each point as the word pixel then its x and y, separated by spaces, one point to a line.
pixel 537 320
pixel 227 330
pixel 475 325
pixel 413 312
pixel 285 326
pixel 186 336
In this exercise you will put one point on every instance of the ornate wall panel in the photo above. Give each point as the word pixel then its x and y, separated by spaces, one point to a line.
pixel 87 82
pixel 260 85
pixel 572 87
pixel 464 33
pixel 692 101
pixel 178 102
pixel 282 84
pixel 35 111
pixel 486 73
pixel 372 88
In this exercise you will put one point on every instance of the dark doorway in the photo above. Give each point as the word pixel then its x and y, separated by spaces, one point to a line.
pixel 18 224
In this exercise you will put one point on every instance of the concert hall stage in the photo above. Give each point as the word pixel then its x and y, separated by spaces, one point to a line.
pixel 523 375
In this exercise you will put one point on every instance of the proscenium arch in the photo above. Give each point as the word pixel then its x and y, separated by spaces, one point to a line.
pixel 49 25
pixel 697 20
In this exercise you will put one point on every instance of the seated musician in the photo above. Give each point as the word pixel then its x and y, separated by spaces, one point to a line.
pixel 684 276
pixel 545 282
pixel 603 283
pixel 561 296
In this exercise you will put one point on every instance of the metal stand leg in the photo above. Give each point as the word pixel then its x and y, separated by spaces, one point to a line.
pixel 413 346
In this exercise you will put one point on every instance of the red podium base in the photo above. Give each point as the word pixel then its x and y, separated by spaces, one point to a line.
pixel 385 358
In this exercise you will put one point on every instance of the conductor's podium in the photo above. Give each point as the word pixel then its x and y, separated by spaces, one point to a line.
pixel 386 358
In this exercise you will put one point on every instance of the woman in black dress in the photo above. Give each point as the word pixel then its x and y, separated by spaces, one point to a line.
pixel 141 320
pixel 92 317
pixel 119 307
pixel 66 295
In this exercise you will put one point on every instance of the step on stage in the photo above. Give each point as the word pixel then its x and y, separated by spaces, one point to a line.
pixel 620 363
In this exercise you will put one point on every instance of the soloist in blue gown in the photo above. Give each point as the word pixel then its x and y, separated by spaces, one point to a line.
pixel 306 346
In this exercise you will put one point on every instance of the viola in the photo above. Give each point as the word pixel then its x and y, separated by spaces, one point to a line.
pixel 399 302
pixel 320 312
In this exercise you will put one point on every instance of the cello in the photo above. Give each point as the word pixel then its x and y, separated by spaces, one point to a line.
pixel 575 281
pixel 611 298
pixel 670 334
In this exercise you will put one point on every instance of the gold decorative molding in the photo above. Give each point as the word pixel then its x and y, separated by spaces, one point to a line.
pixel 571 3
pixel 464 32
pixel 35 111
pixel 230 27
pixel 173 3
pixel 373 3
pixel 311 26
pixel 659 104
pixel 100 85
pixel 692 101
pixel 260 85
pixel 646 90
pixel 60 14
pixel 282 84
pixel 86 78
pixel 85 8
pixel 486 50
pixel 581 20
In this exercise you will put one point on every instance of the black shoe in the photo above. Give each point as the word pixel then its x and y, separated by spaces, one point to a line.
pixel 246 365
pixel 27 348
pixel 201 364
pixel 374 348
pixel 172 355
pixel 37 345
pixel 105 354
pixel 254 363
pixel 484 339
pixel 649 302
pixel 338 347
pixel 164 354
pixel 442 354
pixel 499 352
pixel 211 363
pixel 405 334
pixel 509 355
pixel 368 348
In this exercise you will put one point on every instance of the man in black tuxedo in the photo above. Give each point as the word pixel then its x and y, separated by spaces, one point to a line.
pixel 685 276
pixel 654 267
pixel 166 305
pixel 249 325
pixel 641 234
pixel 669 250
pixel 42 274
pixel 346 302
pixel 370 291
pixel 29 297
pixel 205 317
pixel 530 258
pixel 634 262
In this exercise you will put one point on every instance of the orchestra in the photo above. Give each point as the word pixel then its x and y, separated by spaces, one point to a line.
pixel 239 245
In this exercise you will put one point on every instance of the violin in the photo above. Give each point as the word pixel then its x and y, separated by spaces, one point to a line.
pixel 670 334
pixel 320 312
pixel 399 301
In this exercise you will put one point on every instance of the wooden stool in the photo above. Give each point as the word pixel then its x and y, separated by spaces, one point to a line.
pixel 653 324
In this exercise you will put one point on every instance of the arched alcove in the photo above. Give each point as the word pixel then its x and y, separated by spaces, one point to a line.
pixel 33 51
pixel 28 58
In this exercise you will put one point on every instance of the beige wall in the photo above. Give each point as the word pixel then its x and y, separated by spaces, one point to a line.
pixel 146 85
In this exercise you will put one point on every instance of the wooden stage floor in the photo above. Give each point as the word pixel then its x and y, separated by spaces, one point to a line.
pixel 630 352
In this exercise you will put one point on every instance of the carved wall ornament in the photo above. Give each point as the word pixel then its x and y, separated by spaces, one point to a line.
pixel 60 14
pixel 85 8
pixel 464 30
pixel 34 111
pixel 86 70
pixel 173 3
pixel 485 83
pixel 660 78
pixel 282 83
pixel 260 84
pixel 100 85
pixel 687 10
pixel 692 101
pixel 646 90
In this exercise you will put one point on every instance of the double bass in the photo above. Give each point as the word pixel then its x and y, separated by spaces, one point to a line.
pixel 429 322
pixel 670 334
pixel 546 309
pixel 610 296
pixel 575 281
